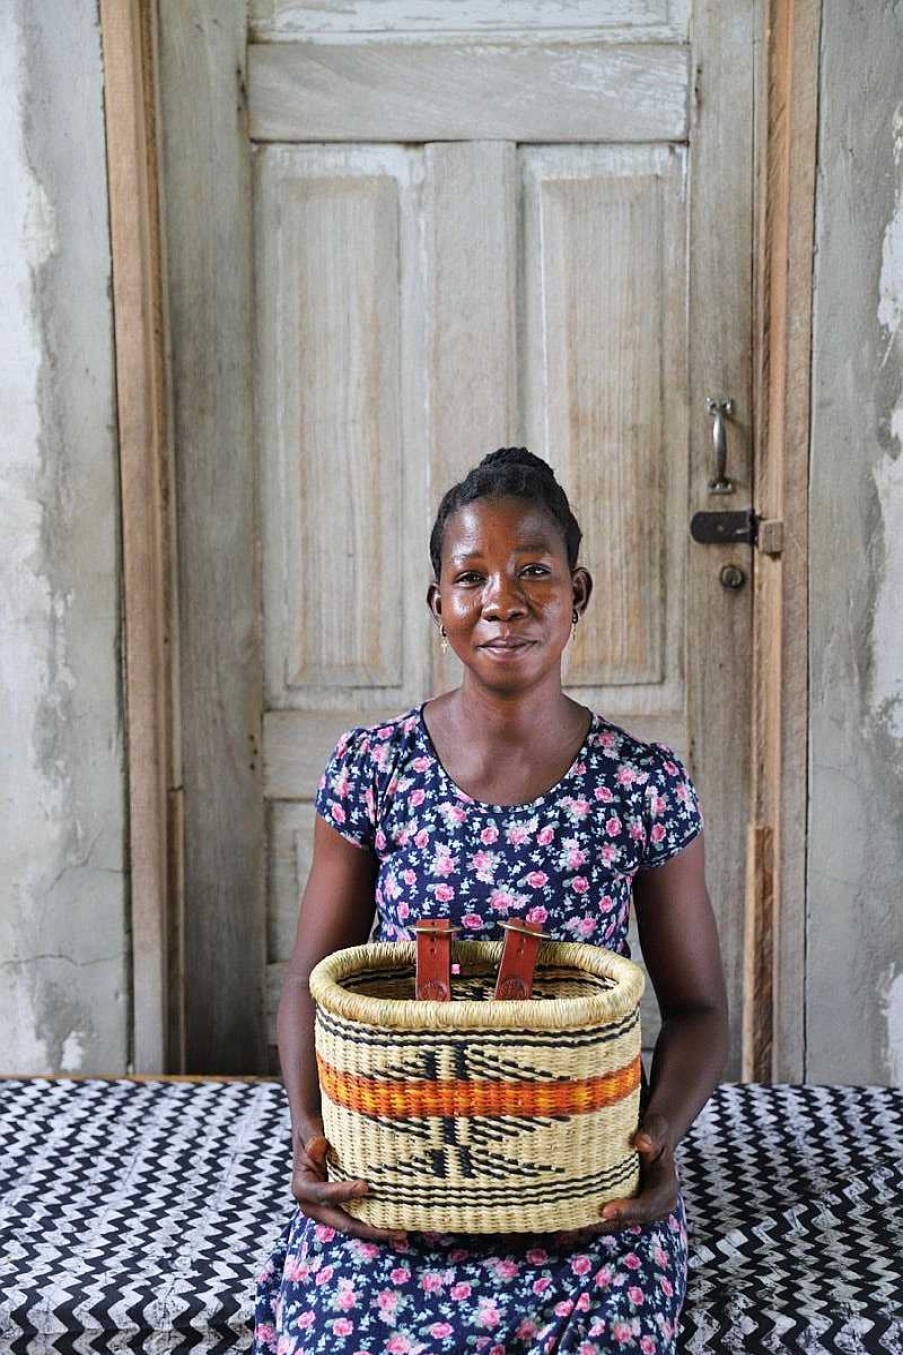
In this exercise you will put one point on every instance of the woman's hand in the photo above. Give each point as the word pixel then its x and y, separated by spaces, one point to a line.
pixel 321 1199
pixel 657 1196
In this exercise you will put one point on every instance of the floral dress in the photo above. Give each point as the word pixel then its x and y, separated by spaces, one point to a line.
pixel 566 860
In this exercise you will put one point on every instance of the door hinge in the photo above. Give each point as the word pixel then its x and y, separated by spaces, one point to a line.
pixel 741 526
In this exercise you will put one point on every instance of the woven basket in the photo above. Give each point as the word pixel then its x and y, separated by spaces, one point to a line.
pixel 473 1115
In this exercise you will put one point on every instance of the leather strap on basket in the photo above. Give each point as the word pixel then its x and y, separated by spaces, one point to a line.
pixel 521 946
pixel 432 982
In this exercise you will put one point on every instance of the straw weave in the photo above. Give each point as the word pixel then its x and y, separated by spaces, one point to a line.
pixel 475 1115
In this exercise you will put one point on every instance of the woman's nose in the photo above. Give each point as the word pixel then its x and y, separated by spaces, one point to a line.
pixel 502 597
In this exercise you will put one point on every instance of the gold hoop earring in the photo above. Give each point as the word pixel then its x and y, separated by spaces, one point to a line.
pixel 575 617
pixel 443 638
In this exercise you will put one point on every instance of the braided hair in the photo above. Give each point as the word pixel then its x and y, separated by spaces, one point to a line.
pixel 510 472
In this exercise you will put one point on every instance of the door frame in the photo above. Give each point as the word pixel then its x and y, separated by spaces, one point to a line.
pixel 168 558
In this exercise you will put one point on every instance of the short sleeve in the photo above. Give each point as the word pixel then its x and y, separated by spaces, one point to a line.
pixel 345 795
pixel 672 814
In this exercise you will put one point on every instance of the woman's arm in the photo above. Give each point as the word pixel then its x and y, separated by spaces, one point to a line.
pixel 679 940
pixel 337 909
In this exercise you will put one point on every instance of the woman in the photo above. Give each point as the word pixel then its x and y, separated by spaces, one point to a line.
pixel 502 798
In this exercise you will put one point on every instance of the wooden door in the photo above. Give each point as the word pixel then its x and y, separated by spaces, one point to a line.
pixel 401 236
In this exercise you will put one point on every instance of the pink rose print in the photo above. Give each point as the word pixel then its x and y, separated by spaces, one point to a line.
pixel 398 1344
pixel 460 1291
pixel 338 813
pixel 516 834
pixel 671 768
pixel 323 1233
pixel 489 835
pixel 444 893
pixel 632 1261
pixel 537 878
pixel 421 764
pixel 622 1332
pixel 342 1327
pixel 613 825
pixel 400 1275
pixel 473 921
pixel 541 1285
pixel 537 1256
pixel 545 836
pixel 440 1330
pixel 501 900
pixel 507 1269
pixel 346 1297
pixel 430 1282
pixel 580 883
pixel 416 798
pixel 404 911
pixel 488 1314
pixel 538 915
pixel 635 1294
pixel 575 858
pixel 564 1308
pixel 581 1265
pixel 305 1319
pixel 604 793
pixel 658 833
pixel 443 864
pixel 647 1345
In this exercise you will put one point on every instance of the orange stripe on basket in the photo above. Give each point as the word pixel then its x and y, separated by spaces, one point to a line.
pixel 416 1099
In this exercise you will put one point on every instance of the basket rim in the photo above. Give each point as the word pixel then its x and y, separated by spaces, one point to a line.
pixel 568 1013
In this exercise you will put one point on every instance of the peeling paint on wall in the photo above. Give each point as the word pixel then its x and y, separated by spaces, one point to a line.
pixel 63 942
pixel 855 847
pixel 887 671
pixel 893 1006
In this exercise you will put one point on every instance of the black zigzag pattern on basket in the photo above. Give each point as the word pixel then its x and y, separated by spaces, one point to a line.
pixel 588 1037
pixel 522 1192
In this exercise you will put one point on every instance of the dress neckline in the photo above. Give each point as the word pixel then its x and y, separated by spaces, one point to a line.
pixel 549 794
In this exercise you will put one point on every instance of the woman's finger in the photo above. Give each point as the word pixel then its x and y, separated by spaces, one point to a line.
pixel 351 1227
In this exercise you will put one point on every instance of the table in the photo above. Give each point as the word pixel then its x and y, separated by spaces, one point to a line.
pixel 134 1216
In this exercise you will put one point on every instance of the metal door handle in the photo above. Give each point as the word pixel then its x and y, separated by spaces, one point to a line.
pixel 719 407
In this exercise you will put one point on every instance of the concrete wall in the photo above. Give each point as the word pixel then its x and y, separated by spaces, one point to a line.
pixel 855 916
pixel 63 938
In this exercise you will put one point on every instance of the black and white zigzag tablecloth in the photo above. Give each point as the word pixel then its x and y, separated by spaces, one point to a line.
pixel 134 1217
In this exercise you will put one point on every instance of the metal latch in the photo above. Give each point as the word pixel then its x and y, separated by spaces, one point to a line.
pixel 745 526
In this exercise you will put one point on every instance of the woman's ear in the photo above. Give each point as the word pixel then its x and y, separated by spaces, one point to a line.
pixel 582 583
pixel 434 602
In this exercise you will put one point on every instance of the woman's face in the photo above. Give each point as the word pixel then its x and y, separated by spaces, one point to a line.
pixel 506 594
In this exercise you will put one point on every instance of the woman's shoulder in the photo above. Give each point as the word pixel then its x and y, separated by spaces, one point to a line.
pixel 619 744
pixel 377 745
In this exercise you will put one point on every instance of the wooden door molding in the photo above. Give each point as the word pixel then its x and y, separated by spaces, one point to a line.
pixel 131 134
pixel 787 124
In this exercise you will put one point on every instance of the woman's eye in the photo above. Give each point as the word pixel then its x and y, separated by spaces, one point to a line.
pixel 467 578
pixel 541 570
